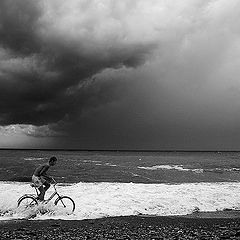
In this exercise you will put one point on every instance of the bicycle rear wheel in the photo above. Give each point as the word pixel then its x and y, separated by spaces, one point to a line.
pixel 27 202
pixel 66 204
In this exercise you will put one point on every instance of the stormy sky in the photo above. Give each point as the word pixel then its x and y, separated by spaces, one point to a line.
pixel 129 74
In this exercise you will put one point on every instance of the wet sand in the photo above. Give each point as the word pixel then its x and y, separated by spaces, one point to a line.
pixel 219 225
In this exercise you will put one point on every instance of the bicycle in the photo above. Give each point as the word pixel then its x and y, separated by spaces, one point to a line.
pixel 31 200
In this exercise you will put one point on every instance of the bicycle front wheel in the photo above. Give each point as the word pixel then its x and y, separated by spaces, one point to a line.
pixel 27 202
pixel 66 203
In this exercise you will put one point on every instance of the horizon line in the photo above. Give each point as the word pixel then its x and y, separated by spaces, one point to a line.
pixel 115 150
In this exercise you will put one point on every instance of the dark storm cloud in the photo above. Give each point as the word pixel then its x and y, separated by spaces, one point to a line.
pixel 121 74
pixel 42 62
pixel 18 19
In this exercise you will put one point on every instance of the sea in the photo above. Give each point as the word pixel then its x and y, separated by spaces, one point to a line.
pixel 123 183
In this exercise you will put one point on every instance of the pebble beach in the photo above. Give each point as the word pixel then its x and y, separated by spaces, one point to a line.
pixel 132 227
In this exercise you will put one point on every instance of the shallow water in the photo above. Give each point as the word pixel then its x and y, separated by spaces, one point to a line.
pixel 124 183
pixel 95 200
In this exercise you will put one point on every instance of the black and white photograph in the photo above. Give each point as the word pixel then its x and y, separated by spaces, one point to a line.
pixel 120 119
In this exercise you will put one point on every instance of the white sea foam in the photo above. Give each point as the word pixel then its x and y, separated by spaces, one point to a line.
pixel 91 161
pixel 182 168
pixel 105 164
pixel 172 167
pixel 33 158
pixel 222 170
pixel 111 165
pixel 95 200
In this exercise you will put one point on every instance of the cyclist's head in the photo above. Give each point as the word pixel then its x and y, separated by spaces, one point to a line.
pixel 52 161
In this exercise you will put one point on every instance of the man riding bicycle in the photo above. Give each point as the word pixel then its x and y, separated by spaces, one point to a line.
pixel 40 178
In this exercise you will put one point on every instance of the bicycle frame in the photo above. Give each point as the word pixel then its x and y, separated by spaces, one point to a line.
pixel 53 194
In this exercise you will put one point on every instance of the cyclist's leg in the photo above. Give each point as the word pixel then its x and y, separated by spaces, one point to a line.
pixel 42 193
pixel 46 186
pixel 39 184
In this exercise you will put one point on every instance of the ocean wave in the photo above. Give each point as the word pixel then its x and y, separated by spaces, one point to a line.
pixel 34 158
pixel 91 161
pixel 110 164
pixel 172 167
pixel 196 170
pixel 220 170
pixel 99 163
pixel 96 200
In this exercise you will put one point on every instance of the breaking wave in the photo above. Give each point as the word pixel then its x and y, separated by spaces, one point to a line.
pixel 34 158
pixel 196 170
pixel 96 200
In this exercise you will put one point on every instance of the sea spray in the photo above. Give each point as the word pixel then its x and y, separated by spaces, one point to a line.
pixel 96 200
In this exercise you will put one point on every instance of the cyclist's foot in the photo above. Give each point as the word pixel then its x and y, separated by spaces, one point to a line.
pixel 40 200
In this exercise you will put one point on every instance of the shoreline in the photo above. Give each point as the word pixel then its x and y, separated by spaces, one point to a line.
pixel 207 225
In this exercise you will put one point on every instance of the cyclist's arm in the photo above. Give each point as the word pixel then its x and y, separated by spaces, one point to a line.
pixel 43 171
pixel 48 178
